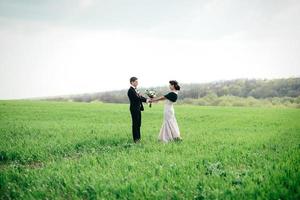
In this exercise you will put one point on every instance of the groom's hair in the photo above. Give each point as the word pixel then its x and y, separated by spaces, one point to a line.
pixel 132 79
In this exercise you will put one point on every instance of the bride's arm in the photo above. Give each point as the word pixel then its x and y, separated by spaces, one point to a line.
pixel 158 98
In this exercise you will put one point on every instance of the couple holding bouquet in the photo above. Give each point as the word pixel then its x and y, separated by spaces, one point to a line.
pixel 169 130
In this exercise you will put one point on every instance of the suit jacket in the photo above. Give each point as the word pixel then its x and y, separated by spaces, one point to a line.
pixel 136 101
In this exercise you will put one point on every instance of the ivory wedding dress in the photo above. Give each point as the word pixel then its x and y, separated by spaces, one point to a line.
pixel 169 130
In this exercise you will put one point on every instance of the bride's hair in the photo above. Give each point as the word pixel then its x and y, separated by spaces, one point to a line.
pixel 175 84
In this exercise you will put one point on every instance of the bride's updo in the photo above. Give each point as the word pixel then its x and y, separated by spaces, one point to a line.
pixel 175 84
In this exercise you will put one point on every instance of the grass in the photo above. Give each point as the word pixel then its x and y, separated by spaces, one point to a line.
pixel 66 150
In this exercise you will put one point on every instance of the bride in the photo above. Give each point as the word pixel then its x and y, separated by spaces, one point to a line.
pixel 169 130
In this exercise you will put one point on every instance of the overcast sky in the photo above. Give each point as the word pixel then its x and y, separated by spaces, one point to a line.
pixel 75 46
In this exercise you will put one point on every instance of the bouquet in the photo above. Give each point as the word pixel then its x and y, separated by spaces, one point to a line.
pixel 151 94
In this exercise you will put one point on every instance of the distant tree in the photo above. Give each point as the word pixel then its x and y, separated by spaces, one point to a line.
pixel 257 88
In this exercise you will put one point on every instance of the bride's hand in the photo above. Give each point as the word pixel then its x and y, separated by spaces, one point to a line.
pixel 151 100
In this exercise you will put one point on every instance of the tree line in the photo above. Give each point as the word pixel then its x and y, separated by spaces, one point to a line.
pixel 288 88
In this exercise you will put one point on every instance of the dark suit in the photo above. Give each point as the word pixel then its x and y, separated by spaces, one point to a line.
pixel 136 106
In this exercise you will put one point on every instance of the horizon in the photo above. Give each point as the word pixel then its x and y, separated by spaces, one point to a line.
pixel 147 87
pixel 85 46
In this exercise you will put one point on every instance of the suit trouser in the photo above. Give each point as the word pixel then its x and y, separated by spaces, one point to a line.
pixel 136 124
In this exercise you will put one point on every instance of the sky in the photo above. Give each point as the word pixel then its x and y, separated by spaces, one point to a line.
pixel 50 48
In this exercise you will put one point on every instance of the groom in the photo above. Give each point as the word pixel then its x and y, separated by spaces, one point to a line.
pixel 136 106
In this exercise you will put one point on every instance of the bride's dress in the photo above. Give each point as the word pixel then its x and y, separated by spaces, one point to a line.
pixel 169 129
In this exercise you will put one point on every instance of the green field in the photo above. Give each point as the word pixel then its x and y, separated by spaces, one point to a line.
pixel 64 150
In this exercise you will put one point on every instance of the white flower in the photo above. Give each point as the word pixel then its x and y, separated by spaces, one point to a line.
pixel 151 93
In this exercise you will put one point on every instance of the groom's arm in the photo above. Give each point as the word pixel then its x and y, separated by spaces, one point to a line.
pixel 143 99
pixel 134 97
